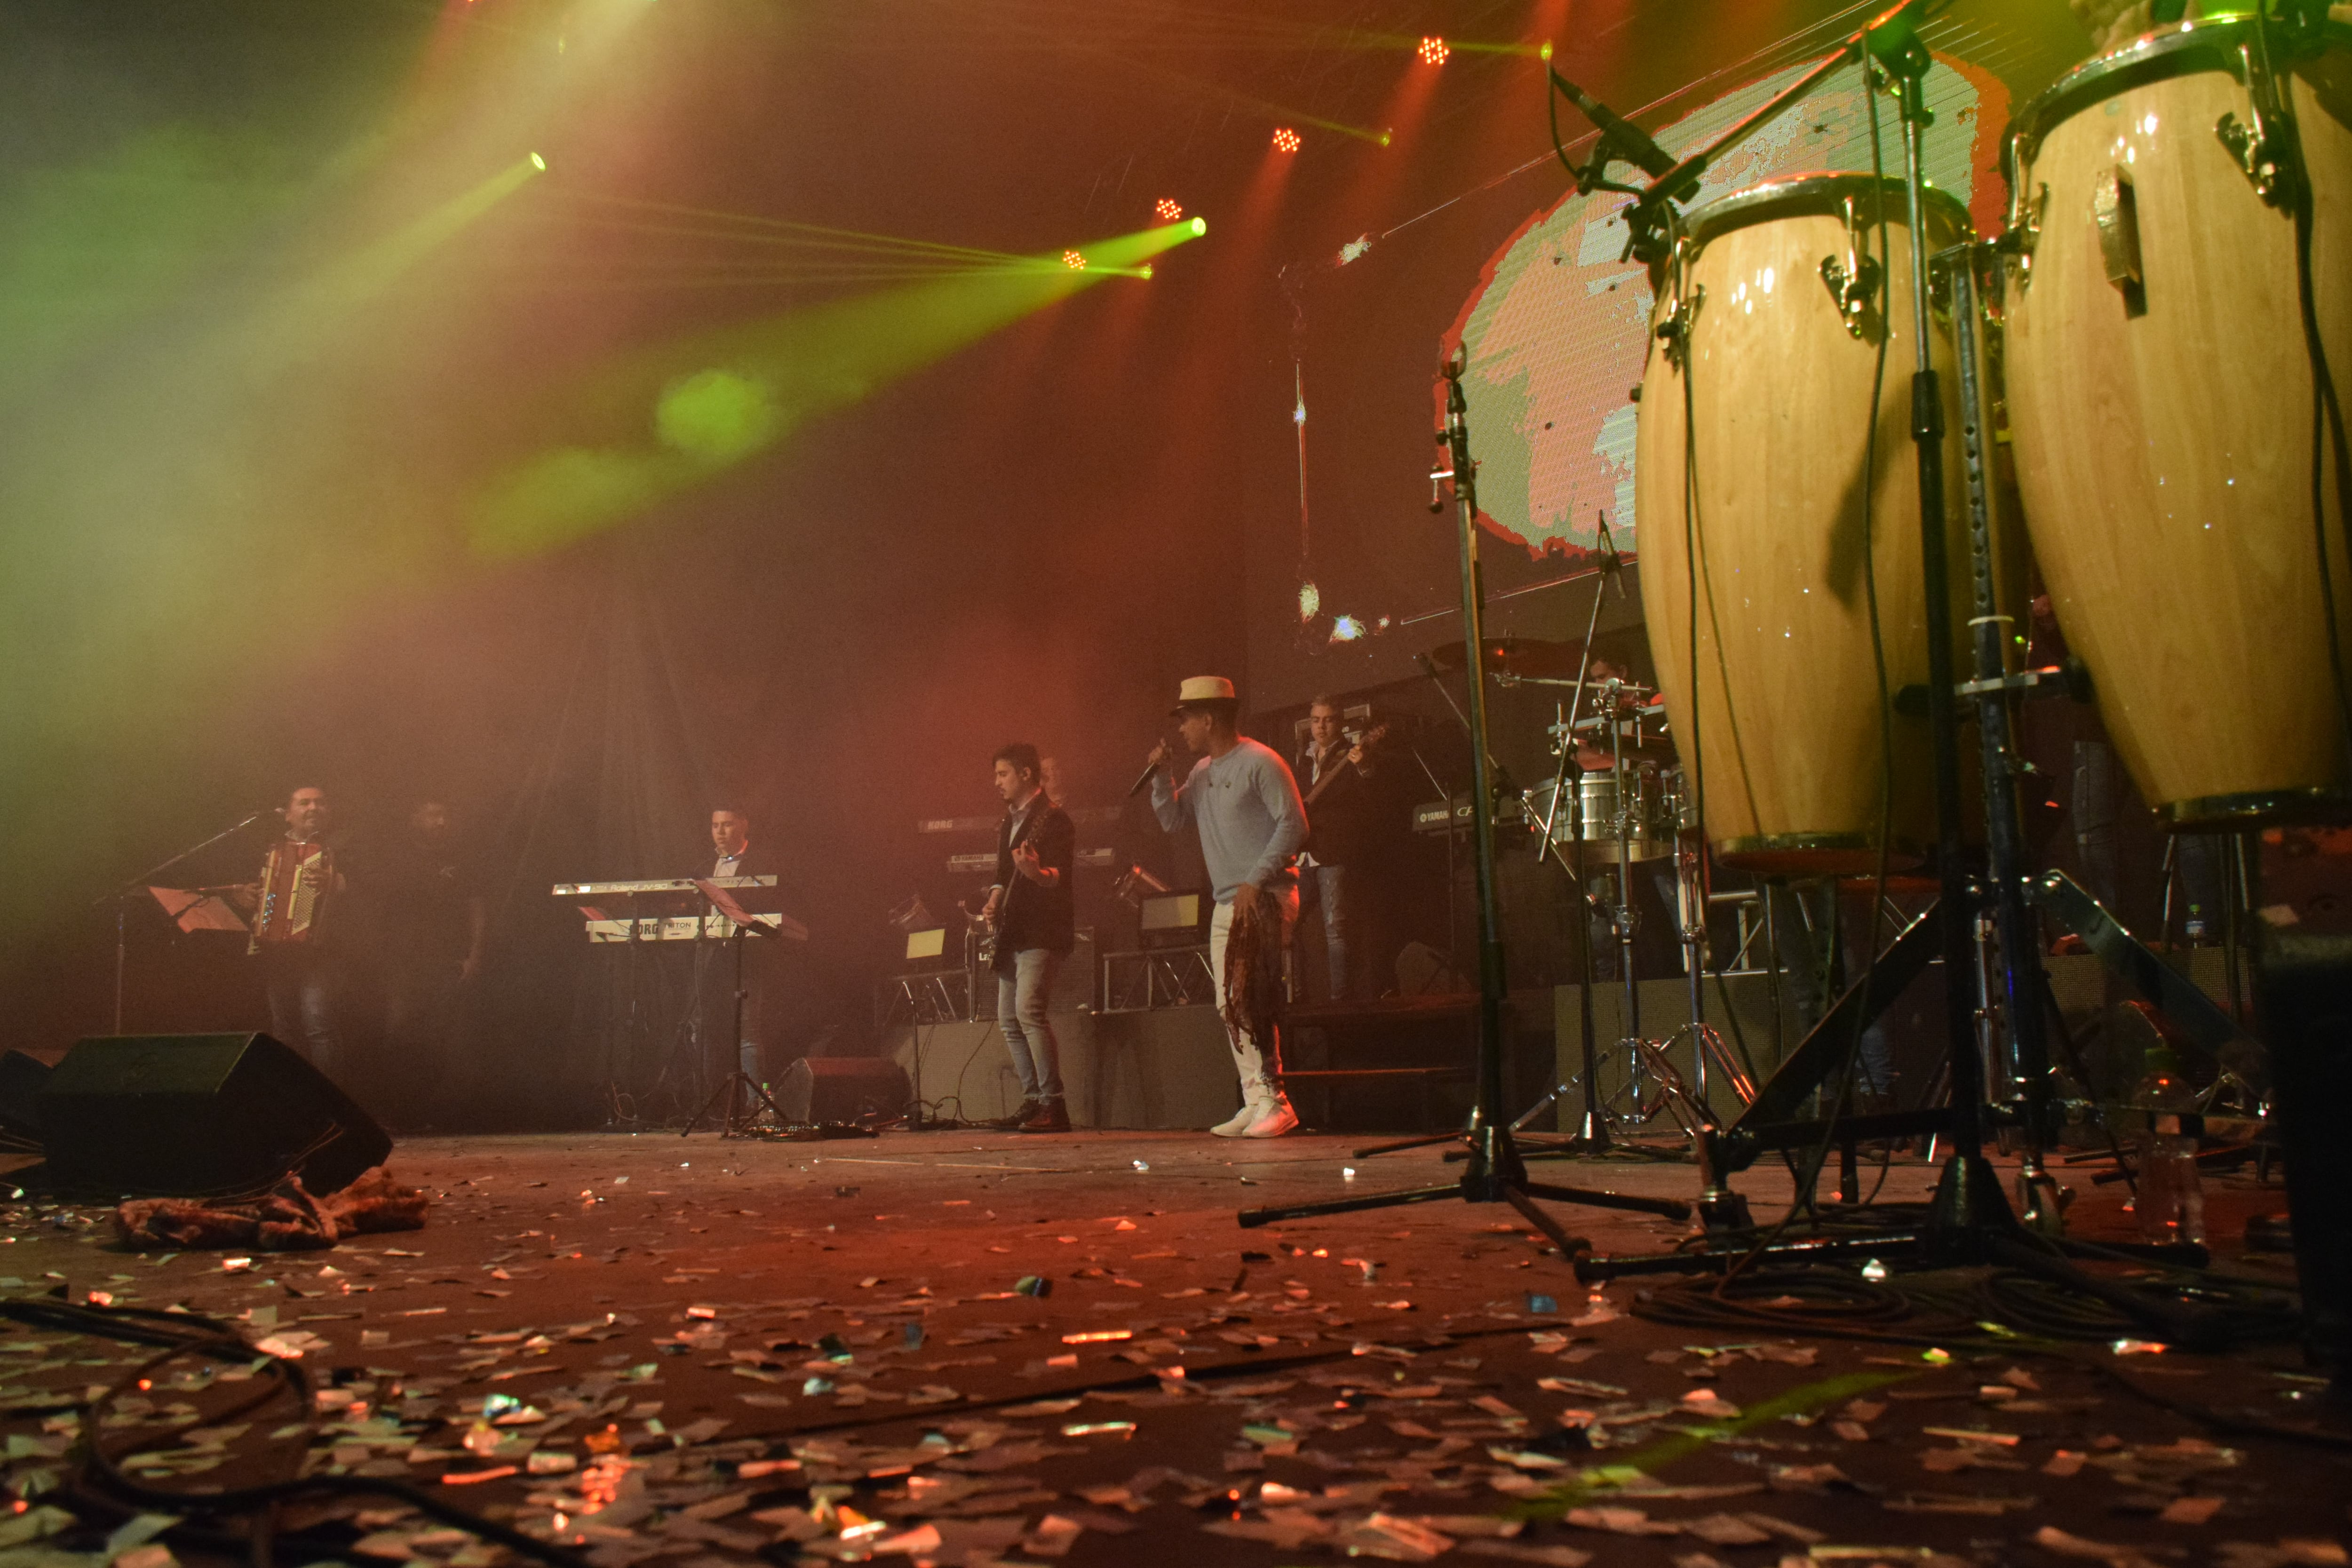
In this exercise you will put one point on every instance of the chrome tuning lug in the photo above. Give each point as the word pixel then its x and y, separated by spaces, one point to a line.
pixel 1853 280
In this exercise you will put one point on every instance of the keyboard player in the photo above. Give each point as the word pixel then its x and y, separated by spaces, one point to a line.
pixel 733 856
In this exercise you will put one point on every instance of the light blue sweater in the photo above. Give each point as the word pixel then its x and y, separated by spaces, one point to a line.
pixel 1252 823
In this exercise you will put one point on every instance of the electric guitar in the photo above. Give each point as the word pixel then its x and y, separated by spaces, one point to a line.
pixel 985 943
pixel 1365 742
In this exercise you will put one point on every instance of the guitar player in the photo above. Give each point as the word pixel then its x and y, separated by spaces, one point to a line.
pixel 1029 915
pixel 1335 774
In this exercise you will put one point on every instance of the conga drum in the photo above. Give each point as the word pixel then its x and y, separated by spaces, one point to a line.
pixel 1759 420
pixel 2161 404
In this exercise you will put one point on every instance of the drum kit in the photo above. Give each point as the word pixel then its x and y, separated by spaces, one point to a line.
pixel 1620 805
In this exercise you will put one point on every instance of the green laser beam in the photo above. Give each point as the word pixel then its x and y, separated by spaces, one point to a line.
pixel 816 231
pixel 680 415
pixel 1604 1480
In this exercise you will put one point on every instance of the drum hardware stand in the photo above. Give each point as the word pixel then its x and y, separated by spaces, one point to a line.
pixel 2303 972
pixel 1494 1172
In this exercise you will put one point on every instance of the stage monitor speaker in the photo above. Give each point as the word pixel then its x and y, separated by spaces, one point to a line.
pixel 819 1089
pixel 21 1076
pixel 198 1116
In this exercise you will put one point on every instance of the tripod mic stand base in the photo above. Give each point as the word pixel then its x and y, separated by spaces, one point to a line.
pixel 743 1095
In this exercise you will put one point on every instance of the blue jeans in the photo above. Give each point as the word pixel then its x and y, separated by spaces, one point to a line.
pixel 1328 886
pixel 301 986
pixel 1021 994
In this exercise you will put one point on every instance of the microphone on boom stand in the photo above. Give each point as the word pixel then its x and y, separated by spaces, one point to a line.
pixel 1619 137
pixel 1612 565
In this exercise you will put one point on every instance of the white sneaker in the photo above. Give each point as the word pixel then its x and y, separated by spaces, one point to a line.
pixel 1277 1119
pixel 1238 1124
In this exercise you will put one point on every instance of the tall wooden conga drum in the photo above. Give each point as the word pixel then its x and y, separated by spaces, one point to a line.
pixel 1748 487
pixel 2161 405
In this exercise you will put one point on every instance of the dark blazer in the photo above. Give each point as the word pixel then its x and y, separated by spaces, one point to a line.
pixel 1343 822
pixel 1034 915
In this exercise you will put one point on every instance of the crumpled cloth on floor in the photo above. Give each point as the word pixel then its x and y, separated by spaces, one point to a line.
pixel 289 1220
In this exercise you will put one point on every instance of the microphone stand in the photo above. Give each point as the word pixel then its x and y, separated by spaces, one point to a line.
pixel 1890 34
pixel 1493 1171
pixel 121 898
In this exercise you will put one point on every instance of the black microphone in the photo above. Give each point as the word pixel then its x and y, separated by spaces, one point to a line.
pixel 1611 563
pixel 1630 140
pixel 1144 781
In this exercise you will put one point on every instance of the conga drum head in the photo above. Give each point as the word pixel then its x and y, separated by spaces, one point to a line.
pixel 1773 514
pixel 2160 395
pixel 1824 195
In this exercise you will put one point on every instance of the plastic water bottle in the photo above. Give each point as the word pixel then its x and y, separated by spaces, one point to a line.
pixel 2171 1202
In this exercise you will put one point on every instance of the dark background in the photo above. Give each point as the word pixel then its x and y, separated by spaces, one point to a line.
pixel 236 554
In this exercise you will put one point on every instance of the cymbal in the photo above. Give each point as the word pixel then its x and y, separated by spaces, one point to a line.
pixel 1515 656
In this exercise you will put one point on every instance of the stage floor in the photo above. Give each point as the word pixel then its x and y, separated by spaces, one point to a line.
pixel 1391 1383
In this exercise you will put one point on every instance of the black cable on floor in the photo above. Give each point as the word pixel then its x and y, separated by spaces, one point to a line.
pixel 204 1336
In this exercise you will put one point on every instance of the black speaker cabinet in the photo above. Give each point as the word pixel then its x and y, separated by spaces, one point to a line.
pixel 817 1090
pixel 21 1076
pixel 198 1116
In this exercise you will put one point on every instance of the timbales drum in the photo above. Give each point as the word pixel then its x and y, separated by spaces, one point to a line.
pixel 1589 812
pixel 1759 394
pixel 2161 400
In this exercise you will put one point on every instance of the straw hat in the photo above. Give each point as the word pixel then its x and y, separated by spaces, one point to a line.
pixel 1203 688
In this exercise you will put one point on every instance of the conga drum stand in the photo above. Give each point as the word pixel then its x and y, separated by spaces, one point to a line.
pixel 1968 1220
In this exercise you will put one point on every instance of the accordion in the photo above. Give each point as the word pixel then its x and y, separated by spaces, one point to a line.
pixel 295 878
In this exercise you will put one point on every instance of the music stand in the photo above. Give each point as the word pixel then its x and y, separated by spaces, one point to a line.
pixel 738 1085
pixel 123 895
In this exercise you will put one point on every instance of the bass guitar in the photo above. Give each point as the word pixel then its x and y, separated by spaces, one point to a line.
pixel 1363 743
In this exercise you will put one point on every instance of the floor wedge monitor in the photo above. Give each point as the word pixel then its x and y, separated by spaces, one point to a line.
pixel 198 1116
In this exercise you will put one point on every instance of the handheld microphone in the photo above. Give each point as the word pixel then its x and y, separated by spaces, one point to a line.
pixel 1144 781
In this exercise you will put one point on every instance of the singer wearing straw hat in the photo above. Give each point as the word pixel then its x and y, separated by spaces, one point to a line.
pixel 1244 801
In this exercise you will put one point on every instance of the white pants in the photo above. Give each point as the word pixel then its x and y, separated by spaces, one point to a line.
pixel 1257 1063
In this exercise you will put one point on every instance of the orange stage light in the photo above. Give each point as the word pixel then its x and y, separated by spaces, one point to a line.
pixel 1432 51
pixel 1074 260
pixel 1285 139
pixel 1168 210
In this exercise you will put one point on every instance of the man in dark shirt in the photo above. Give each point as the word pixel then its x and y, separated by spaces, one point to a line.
pixel 732 855
pixel 433 924
pixel 1030 909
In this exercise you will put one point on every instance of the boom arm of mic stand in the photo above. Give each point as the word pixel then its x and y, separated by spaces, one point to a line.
pixel 135 883
pixel 1429 668
pixel 1892 31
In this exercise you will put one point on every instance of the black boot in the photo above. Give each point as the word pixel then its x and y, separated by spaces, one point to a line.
pixel 1052 1116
